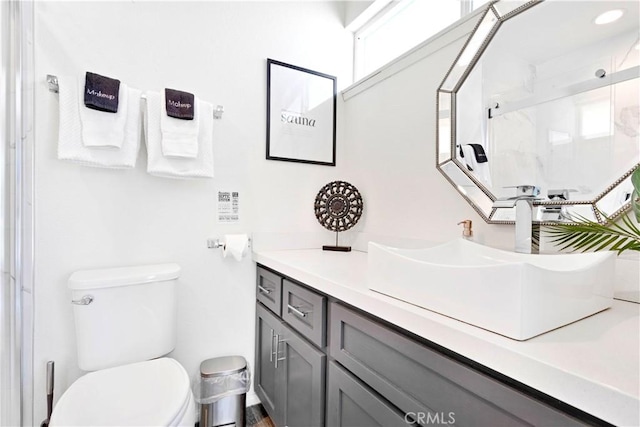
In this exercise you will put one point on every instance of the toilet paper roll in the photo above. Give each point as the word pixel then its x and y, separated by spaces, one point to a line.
pixel 235 245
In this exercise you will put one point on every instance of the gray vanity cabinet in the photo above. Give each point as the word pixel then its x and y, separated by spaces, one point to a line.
pixel 425 385
pixel 376 374
pixel 289 370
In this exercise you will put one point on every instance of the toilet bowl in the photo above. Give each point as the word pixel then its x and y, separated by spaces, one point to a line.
pixel 125 322
pixel 151 393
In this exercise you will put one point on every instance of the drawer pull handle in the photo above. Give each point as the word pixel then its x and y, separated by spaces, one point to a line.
pixel 264 290
pixel 273 335
pixel 277 352
pixel 296 311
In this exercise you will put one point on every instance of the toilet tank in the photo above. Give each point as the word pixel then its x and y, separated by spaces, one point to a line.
pixel 124 315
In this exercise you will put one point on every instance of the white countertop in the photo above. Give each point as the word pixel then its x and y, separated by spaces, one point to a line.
pixel 593 364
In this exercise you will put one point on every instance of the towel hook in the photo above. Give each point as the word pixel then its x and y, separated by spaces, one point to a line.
pixel 217 112
pixel 52 81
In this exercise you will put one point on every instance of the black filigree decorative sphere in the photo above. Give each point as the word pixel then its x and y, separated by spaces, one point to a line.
pixel 338 206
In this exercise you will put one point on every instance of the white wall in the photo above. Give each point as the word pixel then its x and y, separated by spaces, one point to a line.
pixel 353 9
pixel 91 218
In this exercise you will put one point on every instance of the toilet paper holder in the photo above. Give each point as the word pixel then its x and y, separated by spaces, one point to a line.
pixel 217 244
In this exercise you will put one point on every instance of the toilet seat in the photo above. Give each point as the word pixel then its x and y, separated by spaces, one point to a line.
pixel 151 393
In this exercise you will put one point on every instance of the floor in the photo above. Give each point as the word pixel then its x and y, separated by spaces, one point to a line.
pixel 256 416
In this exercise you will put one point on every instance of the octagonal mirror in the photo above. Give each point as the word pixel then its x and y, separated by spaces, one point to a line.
pixel 544 94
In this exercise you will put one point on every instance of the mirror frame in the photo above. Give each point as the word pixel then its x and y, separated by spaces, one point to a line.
pixel 449 88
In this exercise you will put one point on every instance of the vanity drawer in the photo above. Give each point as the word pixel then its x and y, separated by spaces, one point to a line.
pixel 305 311
pixel 419 380
pixel 269 290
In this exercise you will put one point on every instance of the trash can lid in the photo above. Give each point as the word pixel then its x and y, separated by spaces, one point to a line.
pixel 220 366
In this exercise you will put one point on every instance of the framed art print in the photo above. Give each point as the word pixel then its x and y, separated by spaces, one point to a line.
pixel 301 114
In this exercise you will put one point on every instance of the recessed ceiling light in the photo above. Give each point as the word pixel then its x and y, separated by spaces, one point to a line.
pixel 609 16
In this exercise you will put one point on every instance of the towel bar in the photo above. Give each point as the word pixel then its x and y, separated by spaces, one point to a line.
pixel 52 82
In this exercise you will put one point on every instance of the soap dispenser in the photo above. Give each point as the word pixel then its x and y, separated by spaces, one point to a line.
pixel 467 232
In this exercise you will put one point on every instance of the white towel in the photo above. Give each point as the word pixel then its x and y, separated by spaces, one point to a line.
pixel 70 145
pixel 157 163
pixel 103 129
pixel 179 137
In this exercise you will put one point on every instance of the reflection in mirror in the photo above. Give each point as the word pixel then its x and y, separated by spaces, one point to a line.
pixel 468 189
pixel 565 213
pixel 558 108
pixel 569 143
pixel 619 196
pixel 548 214
pixel 585 211
pixel 503 214
pixel 444 126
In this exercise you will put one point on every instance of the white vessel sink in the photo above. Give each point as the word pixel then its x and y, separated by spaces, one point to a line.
pixel 516 295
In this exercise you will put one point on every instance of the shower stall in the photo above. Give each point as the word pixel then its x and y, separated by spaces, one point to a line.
pixel 16 214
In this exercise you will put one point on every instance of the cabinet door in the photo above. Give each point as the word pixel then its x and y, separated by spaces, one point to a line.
pixel 266 381
pixel 301 369
pixel 350 403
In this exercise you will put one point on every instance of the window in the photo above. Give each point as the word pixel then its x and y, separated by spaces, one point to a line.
pixel 595 119
pixel 403 25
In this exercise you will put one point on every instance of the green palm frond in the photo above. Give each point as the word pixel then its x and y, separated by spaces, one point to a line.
pixel 635 197
pixel 586 235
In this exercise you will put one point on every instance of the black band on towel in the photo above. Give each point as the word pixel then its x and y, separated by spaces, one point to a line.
pixel 101 93
pixel 478 150
pixel 179 104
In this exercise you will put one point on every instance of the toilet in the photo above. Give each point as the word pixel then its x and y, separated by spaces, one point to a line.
pixel 125 321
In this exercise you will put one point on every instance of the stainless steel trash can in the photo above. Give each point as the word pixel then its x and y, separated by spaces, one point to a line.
pixel 224 382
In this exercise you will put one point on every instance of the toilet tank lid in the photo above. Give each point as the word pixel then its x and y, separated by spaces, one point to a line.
pixel 123 276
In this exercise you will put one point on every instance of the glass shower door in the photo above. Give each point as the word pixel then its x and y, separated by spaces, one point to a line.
pixel 16 213
pixel 9 359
